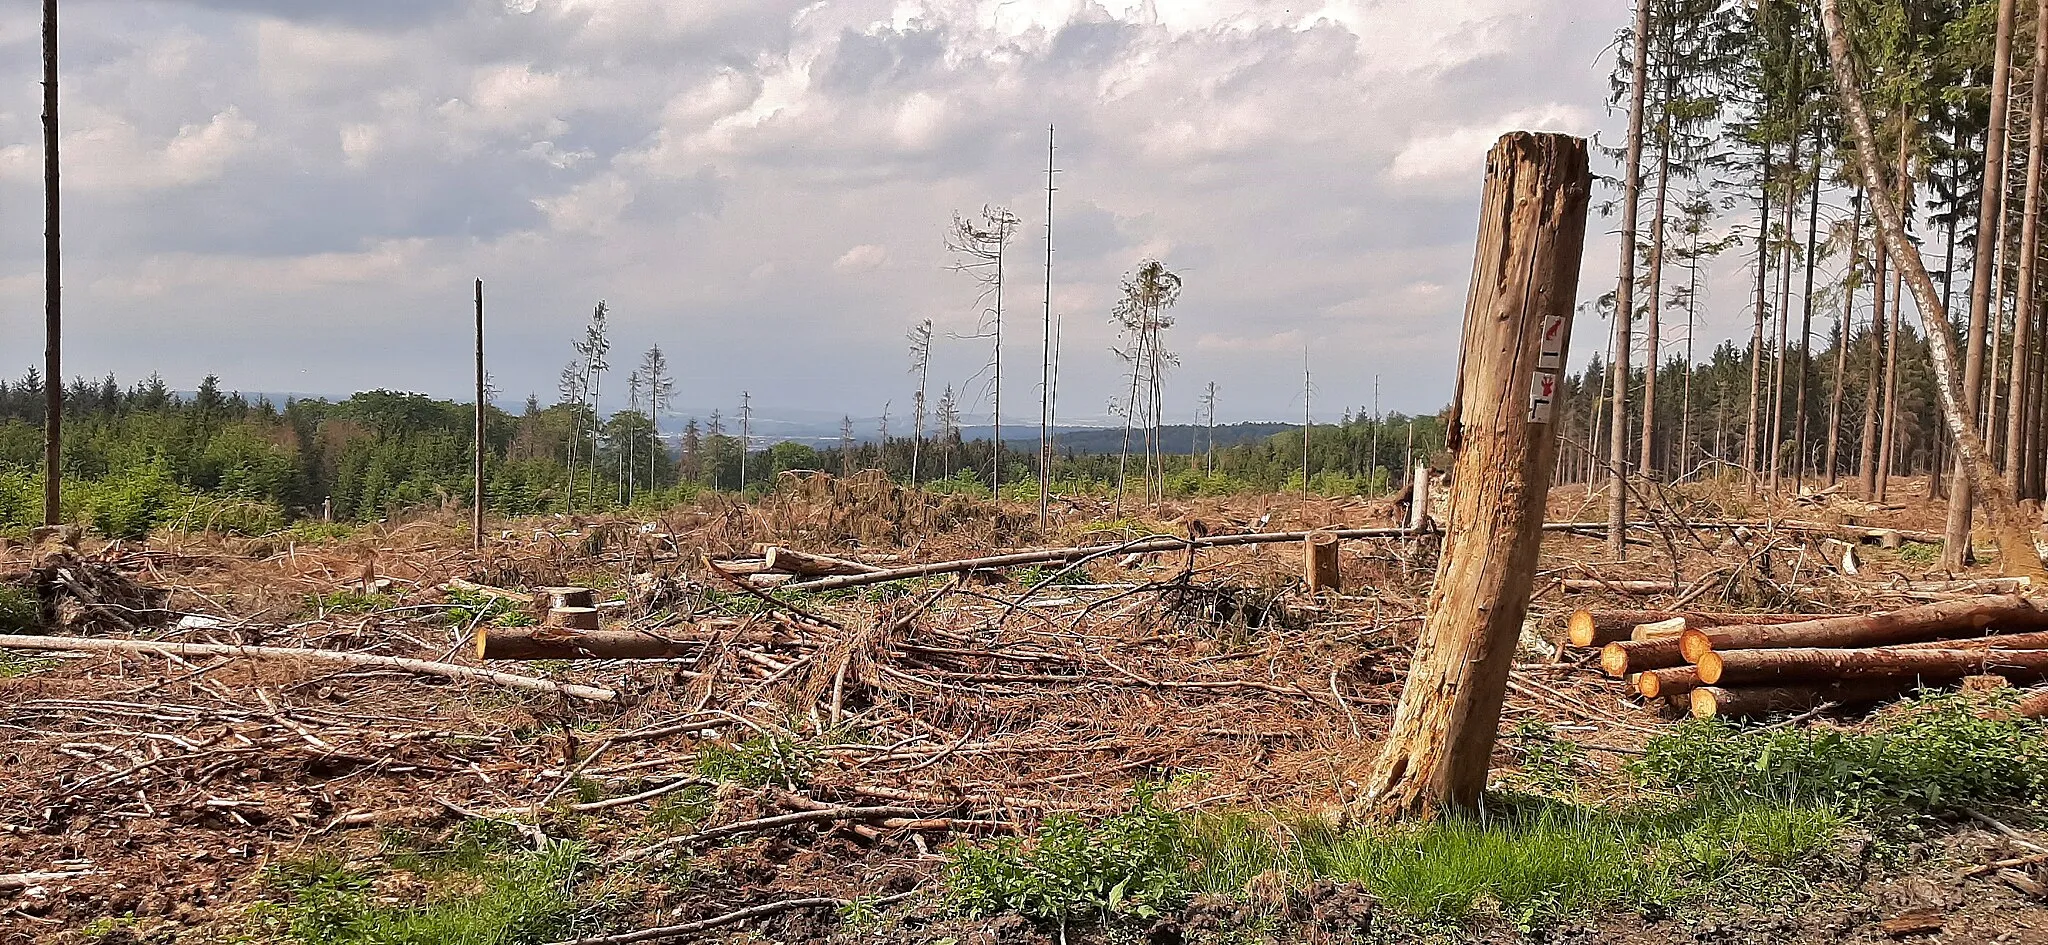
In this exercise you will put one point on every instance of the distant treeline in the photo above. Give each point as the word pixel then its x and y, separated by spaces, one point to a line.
pixel 141 455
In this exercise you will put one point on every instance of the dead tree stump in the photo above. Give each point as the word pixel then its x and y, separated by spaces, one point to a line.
pixel 1525 279
pixel 1319 563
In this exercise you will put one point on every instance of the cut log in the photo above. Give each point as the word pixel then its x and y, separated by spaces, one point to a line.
pixel 529 643
pixel 1601 627
pixel 1719 702
pixel 553 598
pixel 1800 664
pixel 806 564
pixel 1951 618
pixel 1673 682
pixel 1638 656
pixel 2034 705
pixel 1658 630
pixel 1319 563
pixel 572 618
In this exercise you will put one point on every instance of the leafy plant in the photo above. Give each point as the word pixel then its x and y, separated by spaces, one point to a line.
pixel 765 761
pixel 478 893
pixel 1132 865
pixel 20 612
pixel 469 607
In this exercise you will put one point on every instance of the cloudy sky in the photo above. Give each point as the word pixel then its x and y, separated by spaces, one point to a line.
pixel 295 194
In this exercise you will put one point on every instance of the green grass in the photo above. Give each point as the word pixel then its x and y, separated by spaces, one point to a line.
pixel 1712 813
pixel 480 892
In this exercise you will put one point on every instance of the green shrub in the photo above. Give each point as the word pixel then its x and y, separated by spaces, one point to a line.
pixel 20 612
pixel 467 608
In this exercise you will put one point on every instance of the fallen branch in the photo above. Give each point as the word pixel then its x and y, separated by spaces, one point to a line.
pixel 13 881
pixel 421 667
pixel 731 918
pixel 764 823
pixel 791 561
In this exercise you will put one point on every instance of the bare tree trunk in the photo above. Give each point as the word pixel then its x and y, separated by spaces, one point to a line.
pixel 1994 403
pixel 2015 547
pixel 1887 454
pixel 1806 325
pixel 1873 389
pixel 1652 342
pixel 1624 293
pixel 2019 405
pixel 1784 318
pixel 1956 549
pixel 53 284
pixel 1532 229
pixel 1842 341
pixel 476 512
pixel 1750 441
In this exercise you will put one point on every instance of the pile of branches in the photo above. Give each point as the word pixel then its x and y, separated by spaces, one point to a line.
pixel 83 594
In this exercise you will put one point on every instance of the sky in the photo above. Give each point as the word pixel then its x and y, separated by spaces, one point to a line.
pixel 296 194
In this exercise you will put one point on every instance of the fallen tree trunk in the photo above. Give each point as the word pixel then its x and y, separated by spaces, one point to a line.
pixel 1906 625
pixel 2032 706
pixel 530 643
pixel 1797 664
pixel 1860 534
pixel 1156 543
pixel 1601 627
pixel 422 667
pixel 1718 702
pixel 806 564
pixel 1620 587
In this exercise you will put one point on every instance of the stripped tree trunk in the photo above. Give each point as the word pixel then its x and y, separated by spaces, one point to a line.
pixel 1841 378
pixel 2015 547
pixel 1806 325
pixel 1517 322
pixel 1750 442
pixel 1873 389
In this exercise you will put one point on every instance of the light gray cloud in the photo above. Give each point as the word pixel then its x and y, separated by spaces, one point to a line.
pixel 295 194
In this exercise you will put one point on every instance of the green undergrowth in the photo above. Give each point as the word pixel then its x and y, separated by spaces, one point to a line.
pixel 765 761
pixel 20 612
pixel 1711 813
pixel 465 608
pixel 482 889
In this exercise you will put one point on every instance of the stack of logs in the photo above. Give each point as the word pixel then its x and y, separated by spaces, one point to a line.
pixel 1749 665
pixel 778 565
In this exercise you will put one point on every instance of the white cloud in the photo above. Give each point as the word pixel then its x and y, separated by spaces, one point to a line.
pixel 866 257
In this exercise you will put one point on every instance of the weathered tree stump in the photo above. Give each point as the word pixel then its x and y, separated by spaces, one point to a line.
pixel 1503 438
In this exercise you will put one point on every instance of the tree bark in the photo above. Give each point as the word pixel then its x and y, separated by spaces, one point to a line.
pixel 2017 400
pixel 1624 295
pixel 1962 490
pixel 1503 439
pixel 1841 379
pixel 791 561
pixel 1961 616
pixel 1806 323
pixel 1653 321
pixel 1873 385
pixel 530 643
pixel 53 284
pixel 1750 441
pixel 2016 551
pixel 1888 439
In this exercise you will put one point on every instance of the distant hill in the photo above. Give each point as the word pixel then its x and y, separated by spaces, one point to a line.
pixel 1176 438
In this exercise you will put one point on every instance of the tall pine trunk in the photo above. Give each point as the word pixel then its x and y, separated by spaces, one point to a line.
pixel 2017 455
pixel 1750 441
pixel 1962 491
pixel 1873 384
pixel 1806 325
pixel 1842 323
pixel 1624 293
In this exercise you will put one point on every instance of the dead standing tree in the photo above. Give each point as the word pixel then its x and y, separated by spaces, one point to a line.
pixel 2015 548
pixel 1525 278
pixel 980 248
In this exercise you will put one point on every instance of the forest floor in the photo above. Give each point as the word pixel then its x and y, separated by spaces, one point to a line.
pixel 1133 750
